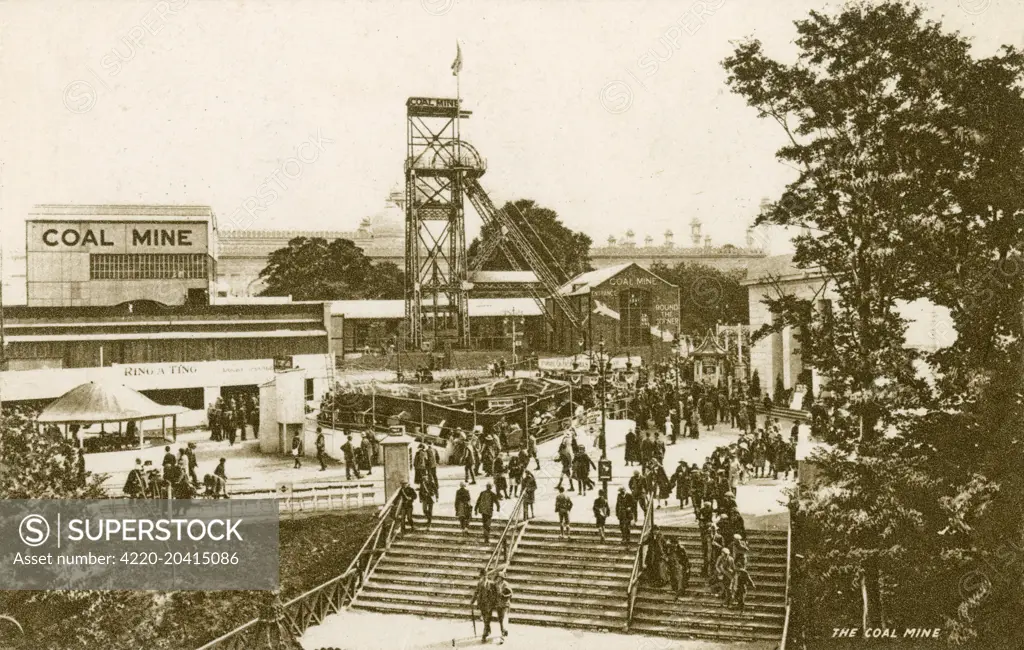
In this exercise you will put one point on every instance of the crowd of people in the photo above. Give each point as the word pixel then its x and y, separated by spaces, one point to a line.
pixel 230 418
pixel 176 478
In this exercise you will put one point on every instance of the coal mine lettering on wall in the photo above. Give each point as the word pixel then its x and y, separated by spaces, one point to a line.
pixel 149 237
pixel 119 239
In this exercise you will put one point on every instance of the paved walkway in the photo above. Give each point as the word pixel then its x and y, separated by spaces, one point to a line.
pixel 353 630
pixel 760 501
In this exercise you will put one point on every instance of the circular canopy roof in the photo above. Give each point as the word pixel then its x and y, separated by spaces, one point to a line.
pixel 96 403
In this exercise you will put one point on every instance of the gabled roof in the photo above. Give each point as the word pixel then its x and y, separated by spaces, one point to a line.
pixel 584 282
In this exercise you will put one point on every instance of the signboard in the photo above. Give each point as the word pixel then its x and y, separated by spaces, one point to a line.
pixel 117 237
pixel 555 363
pixel 48 383
pixel 604 469
pixel 501 403
pixel 619 363
pixel 432 102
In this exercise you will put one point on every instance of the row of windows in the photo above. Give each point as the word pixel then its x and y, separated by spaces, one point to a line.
pixel 148 267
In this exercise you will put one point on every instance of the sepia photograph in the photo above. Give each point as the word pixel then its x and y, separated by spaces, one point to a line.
pixel 583 324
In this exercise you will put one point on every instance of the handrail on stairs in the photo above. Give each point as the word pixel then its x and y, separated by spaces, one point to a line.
pixel 501 556
pixel 310 608
pixel 789 555
pixel 638 561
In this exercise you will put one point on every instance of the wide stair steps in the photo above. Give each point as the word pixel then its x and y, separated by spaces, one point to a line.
pixel 578 583
pixel 700 613
pixel 430 572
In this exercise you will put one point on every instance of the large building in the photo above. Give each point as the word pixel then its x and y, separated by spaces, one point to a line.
pixel 179 355
pixel 244 253
pixel 777 356
pixel 727 257
pixel 626 306
pixel 99 255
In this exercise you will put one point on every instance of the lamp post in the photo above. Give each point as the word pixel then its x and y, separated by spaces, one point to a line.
pixel 604 466
pixel 604 442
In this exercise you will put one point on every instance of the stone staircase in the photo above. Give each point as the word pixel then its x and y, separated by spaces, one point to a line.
pixel 429 572
pixel 701 614
pixel 577 583
pixel 580 583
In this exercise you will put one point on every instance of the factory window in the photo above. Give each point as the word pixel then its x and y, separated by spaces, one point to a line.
pixel 148 267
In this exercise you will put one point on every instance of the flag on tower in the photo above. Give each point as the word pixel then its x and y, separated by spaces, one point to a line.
pixel 457 63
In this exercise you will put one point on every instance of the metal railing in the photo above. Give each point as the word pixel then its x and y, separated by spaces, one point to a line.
pixel 501 556
pixel 638 562
pixel 312 607
pixel 789 555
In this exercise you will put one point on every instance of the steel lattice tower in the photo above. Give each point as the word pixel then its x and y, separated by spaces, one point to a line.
pixel 436 272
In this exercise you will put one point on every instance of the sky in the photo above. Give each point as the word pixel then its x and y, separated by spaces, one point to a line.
pixel 201 101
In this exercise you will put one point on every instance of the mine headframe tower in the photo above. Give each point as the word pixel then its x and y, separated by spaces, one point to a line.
pixel 437 166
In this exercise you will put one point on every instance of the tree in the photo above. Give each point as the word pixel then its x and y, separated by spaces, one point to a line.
pixel 755 384
pixel 566 252
pixel 313 269
pixel 909 179
pixel 708 296
pixel 36 465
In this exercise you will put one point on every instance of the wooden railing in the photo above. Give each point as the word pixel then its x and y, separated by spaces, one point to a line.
pixel 312 607
pixel 501 556
pixel 789 555
pixel 638 562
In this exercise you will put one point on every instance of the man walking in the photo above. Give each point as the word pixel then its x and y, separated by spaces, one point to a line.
pixel 565 458
pixel 406 497
pixel 469 462
pixel 529 493
pixel 725 569
pixel 419 464
pixel 502 599
pixel 433 459
pixel 486 503
pixel 426 494
pixel 601 512
pixel 683 560
pixel 582 464
pixel 463 507
pixel 743 583
pixel 625 512
pixel 321 448
pixel 563 504
pixel 483 597
pixel 348 451
pixel 531 449
pixel 366 449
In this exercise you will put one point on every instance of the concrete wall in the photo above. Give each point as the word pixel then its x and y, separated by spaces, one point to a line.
pixel 778 354
pixel 58 257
